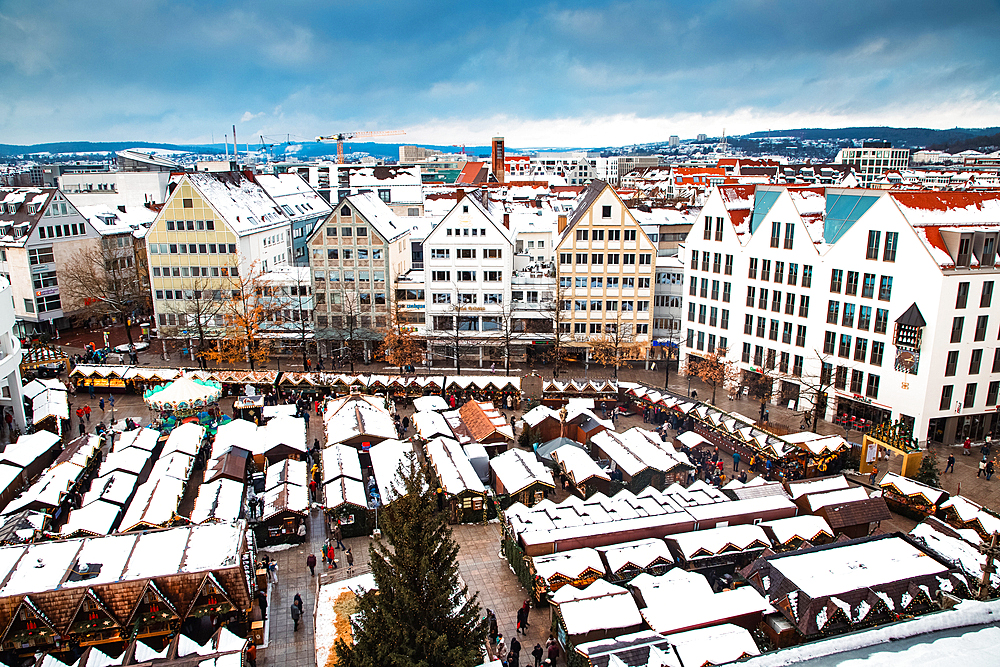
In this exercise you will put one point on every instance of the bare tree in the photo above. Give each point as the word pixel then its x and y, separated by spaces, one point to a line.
pixel 246 310
pixel 510 333
pixel 559 313
pixel 200 306
pixel 616 345
pixel 713 369
pixel 104 279
pixel 818 386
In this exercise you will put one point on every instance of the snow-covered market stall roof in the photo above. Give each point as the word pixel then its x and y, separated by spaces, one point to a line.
pixel 387 457
pixel 517 470
pixel 183 394
pixel 716 645
pixel 797 529
pixel 452 467
pixel 599 611
pixel 341 461
pixel 650 554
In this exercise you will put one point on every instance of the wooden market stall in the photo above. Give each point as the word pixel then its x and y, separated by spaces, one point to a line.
pixel 465 494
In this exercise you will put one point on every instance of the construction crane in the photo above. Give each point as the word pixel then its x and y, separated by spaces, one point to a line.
pixel 345 136
pixel 462 146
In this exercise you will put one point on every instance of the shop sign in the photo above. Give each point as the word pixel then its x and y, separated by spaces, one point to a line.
pixel 47 291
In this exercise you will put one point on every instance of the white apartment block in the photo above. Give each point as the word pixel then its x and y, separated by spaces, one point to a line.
pixel 605 270
pixel 887 294
pixel 873 160
pixel 612 169
pixel 557 168
pixel 400 187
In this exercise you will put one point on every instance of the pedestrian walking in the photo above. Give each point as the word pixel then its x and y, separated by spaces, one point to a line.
pixel 537 654
pixel 311 564
pixel 982 467
pixel 305 416
pixel 338 536
pixel 494 631
pixel 100 402
pixel 272 571
pixel 553 650
pixel 331 558
pixel 501 650
pixel 521 622
pixel 296 615
pixel 301 532
pixel 82 429
pixel 514 658
pixel 86 411
pixel 297 601
pixel 989 470
pixel 736 461
pixel 350 561
pixel 951 464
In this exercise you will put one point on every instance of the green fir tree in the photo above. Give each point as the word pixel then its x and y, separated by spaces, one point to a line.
pixel 420 614
pixel 928 472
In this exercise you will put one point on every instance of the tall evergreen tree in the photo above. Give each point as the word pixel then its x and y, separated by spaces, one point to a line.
pixel 928 472
pixel 419 615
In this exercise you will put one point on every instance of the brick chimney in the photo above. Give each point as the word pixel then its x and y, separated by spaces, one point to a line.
pixel 506 220
pixel 562 223
pixel 461 193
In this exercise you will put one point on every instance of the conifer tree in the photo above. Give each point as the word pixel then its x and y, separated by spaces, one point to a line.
pixel 419 615
pixel 928 471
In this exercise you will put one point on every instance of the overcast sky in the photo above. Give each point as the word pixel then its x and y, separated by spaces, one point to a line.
pixel 542 74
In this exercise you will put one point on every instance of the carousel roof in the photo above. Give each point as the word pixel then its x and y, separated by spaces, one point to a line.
pixel 183 394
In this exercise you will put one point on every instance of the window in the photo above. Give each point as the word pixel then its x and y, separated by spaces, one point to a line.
pixel 716 262
pixel 829 342
pixel 857 380
pixel 694 259
pixel 613 306
pixel 46 279
pixel 800 336
pixel 629 306
pixel 724 324
pixel 765 270
pixel 868 291
pixel 727 289
pixel 975 362
pixel 746 353
pixel 704 288
pixel 751 295
pixel 707 234
pixel 860 349
pixel 762 301
pixel 761 327
pixel 881 320
pixel 783 363
pixel 775 233
pixel 789 235
pixel 779 271
pixel 187 203
pixel 952 364
pixel 946 392
pixel 38 256
pixel 440 276
pixel 793 273
pixel 970 395
pixel 493 253
pixel 961 300
pixel 987 296
pixel 848 319
pixel 851 289
pixel 956 329
pixel 613 258
pixel 715 290
pixel 885 288
pixel 991 394
pixel 605 211
pixel 361 231
pixel 565 258
pixel 728 270
pixel 753 268
pixel 844 351
pixel 582 234
pixel 713 313
pixel 747 325
pixel 872 390
pixel 440 253
pixel 807 275
pixel 786 334
pixel 836 279
pixel 441 297
pixel 789 303
pixel 594 305
pixel 874 238
pixel 840 379
pixel 996 361
pixel 878 349
pixel 630 235
pixel 776 301
pixel 891 241
pixel 803 306
pixel 981 327
pixel 833 312
pixel 692 289
pixel 346 231
pixel 629 259
pixel 797 365
pixel 758 355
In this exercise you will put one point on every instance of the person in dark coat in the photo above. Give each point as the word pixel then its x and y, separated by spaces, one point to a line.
pixel 537 654
pixel 338 535
pixel 296 615
pixel 350 561
pixel 522 621
pixel 311 563
pixel 514 657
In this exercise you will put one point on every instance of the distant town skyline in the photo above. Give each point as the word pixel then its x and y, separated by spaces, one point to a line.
pixel 555 74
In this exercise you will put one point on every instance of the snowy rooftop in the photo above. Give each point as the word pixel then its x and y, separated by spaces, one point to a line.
pixel 716 645
pixel 578 464
pixel 288 471
pixel 385 221
pixel 453 467
pixel 431 424
pixel 816 501
pixel 804 526
pixel 236 433
pixel 639 554
pixel 569 564
pixel 911 487
pixel 154 503
pixel 355 415
pixel 218 500
pixel 294 196
pixel 608 612
pixel 820 485
pixel 341 461
pixel 387 457
pixel 244 205
pixel 703 610
pixel 283 430
pixel 143 438
pixel 863 565
pixel 186 439
pixel 114 487
pixel 717 541
pixel 28 448
pixel 96 518
pixel 517 469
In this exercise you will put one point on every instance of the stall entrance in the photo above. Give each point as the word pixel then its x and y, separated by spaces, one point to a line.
pixel 893 439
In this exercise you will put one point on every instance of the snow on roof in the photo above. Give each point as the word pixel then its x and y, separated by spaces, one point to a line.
pixel 640 554
pixel 283 430
pixel 517 469
pixel 734 508
pixel 49 489
pixel 714 645
pixel 851 566
pixel 799 488
pixel 28 448
pixel 957 552
pixel 212 545
pixel 718 541
pixel 578 464
pixel 294 196
pixel 113 487
pixel 341 461
pixel 243 204
pixel 608 612
pixel 598 588
pixel 804 526
pixel 154 503
pixel 96 517
pixel 177 465
pixel 453 467
pixel 143 438
pixel 570 564
pixel 690 439
pixel 431 425
pixel 285 498
pixel 288 471
pixel 236 433
pixel 355 415
pixel 382 218
pixel 327 624
pixel 186 439
pixel 42 568
pixel 430 403
pixel 387 457
pixel 344 490
pixel 220 500
pixel 703 610
pixel 107 556
pixel 817 501
pixel 911 487
pixel 634 451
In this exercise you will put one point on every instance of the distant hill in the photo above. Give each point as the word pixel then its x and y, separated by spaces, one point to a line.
pixel 9 150
pixel 902 137
pixel 986 143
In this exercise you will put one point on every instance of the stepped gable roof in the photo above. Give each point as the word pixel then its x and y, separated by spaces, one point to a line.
pixel 912 317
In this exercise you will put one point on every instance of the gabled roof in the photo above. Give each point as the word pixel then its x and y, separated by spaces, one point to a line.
pixel 243 204
pixel 382 218
pixel 585 201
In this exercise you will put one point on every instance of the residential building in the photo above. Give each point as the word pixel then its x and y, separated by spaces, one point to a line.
pixel 214 225
pixel 611 169
pixel 668 302
pixel 10 358
pixel 605 270
pixel 555 168
pixel 356 255
pixel 291 326
pixel 398 186
pixel 468 266
pixel 849 291
pixel 873 160
pixel 303 206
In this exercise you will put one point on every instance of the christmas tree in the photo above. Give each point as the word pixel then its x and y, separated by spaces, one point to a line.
pixel 419 614
pixel 928 471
